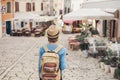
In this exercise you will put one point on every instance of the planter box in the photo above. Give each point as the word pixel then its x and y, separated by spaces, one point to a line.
pixel 102 65
pixel 112 71
pixel 107 68
pixel 74 45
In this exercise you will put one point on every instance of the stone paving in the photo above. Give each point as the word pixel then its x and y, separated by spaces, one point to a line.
pixel 11 48
pixel 78 67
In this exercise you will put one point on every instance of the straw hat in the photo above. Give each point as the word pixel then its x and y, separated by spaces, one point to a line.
pixel 52 32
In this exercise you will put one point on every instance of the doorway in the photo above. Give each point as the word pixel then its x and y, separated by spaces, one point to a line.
pixel 8 27
pixel 30 25
pixel 105 28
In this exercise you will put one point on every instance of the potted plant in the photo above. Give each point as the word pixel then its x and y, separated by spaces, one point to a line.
pixel 117 72
pixel 101 61
pixel 85 25
pixel 113 65
pixel 43 33
pixel 85 47
pixel 82 36
pixel 108 52
pixel 107 65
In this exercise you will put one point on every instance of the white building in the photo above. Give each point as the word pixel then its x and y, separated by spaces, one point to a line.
pixel 27 6
pixel 106 4
pixel 76 4
pixel 25 12
pixel 29 13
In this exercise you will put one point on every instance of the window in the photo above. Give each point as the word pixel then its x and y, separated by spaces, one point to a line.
pixel 68 10
pixel 36 23
pixel 41 6
pixel 16 6
pixel 8 7
pixel 33 6
pixel 65 10
pixel 28 6
pixel 60 11
pixel 22 24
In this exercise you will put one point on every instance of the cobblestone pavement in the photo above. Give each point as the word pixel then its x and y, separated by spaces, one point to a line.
pixel 11 48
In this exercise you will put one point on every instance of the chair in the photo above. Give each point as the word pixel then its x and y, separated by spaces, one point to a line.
pixel 13 32
pixel 37 33
pixel 19 33
pixel 27 33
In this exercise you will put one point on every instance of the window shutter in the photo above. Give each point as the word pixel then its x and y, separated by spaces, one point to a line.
pixel 41 6
pixel 33 6
pixel 8 7
pixel 29 6
pixel 16 6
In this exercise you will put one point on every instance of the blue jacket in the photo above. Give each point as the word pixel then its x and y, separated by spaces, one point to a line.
pixel 61 53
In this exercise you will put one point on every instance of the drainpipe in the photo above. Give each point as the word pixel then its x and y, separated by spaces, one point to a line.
pixel 0 21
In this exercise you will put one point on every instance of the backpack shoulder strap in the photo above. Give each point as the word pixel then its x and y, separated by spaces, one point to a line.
pixel 45 48
pixel 58 48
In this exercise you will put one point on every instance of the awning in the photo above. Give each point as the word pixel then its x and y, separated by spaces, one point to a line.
pixel 102 4
pixel 25 16
pixel 83 14
pixel 68 21
pixel 33 16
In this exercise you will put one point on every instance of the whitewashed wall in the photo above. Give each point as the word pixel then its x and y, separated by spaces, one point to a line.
pixel 58 4
pixel 94 0
pixel 22 5
pixel 119 24
pixel 75 4
pixel 38 6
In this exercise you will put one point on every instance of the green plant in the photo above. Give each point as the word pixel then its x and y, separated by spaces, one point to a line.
pixel 108 52
pixel 107 62
pixel 117 73
pixel 113 62
pixel 85 25
pixel 102 59
pixel 43 34
pixel 84 46
pixel 82 36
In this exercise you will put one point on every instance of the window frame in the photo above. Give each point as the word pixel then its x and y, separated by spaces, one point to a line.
pixel 7 8
pixel 18 8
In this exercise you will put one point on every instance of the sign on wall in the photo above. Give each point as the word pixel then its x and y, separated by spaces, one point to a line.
pixel 3 8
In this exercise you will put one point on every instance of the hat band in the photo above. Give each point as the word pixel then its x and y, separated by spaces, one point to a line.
pixel 53 35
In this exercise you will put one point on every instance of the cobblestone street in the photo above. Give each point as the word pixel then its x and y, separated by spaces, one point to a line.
pixel 19 60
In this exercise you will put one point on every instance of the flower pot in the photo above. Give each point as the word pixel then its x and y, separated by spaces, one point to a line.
pixel 107 68
pixel 102 65
pixel 112 71
pixel 85 53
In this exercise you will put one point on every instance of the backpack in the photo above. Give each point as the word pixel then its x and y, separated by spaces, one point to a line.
pixel 50 64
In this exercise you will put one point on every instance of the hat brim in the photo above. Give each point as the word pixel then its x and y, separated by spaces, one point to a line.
pixel 53 36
